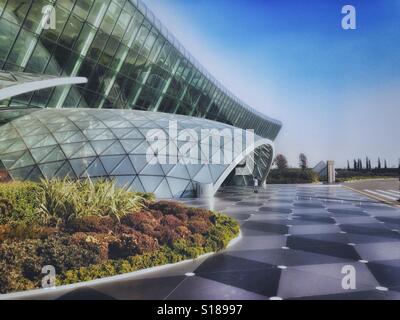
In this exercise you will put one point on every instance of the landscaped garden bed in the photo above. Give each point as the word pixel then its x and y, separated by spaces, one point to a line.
pixel 88 230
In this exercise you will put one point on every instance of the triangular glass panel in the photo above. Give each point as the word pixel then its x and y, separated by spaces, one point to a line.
pixel 143 148
pixel 163 191
pixel 65 171
pixel 124 181
pixel 32 141
pixel 120 133
pixel 80 165
pixel 56 127
pixel 91 134
pixel 153 169
pixel 35 175
pixel 190 191
pixel 20 174
pixel 25 130
pixel 193 169
pixel 203 176
pixel 77 137
pixel 136 186
pixel 139 123
pixel 130 145
pixel 5 145
pixel 95 169
pixel 19 145
pixel 10 158
pixel 85 151
pixel 179 171
pixel 138 161
pixel 177 186
pixel 115 149
pixel 61 137
pixel 40 153
pixel 124 168
pixel 25 160
pixel 44 142
pixel 55 155
pixel 35 131
pixel 150 183
pixel 89 125
pixel 50 169
pixel 167 168
pixel 106 135
pixel 110 162
pixel 11 133
pixel 217 170
pixel 133 134
pixel 101 146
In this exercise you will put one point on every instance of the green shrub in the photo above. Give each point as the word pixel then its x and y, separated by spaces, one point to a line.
pixel 292 176
pixel 63 200
pixel 19 202
pixel 64 255
pixel 132 244
pixel 11 279
pixel 223 231
pixel 91 243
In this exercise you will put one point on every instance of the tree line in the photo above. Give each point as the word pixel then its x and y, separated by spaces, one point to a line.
pixel 359 165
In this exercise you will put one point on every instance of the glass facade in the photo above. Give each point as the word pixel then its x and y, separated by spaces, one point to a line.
pixel 131 62
pixel 115 144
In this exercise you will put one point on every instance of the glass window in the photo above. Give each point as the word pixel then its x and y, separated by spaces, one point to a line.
pixel 148 44
pixel 109 51
pixel 2 5
pixel 122 25
pixel 98 45
pixel 23 48
pixel 85 39
pixel 140 38
pixel 8 32
pixel 71 32
pixel 35 16
pixel 61 20
pixel 82 8
pixel 66 4
pixel 15 11
pixel 97 12
pixel 109 20
pixel 133 29
pixel 156 49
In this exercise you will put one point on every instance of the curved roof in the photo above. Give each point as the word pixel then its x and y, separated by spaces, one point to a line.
pixel 15 83
pixel 114 143
pixel 175 42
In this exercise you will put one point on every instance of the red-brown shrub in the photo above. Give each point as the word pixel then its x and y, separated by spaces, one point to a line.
pixel 91 224
pixel 199 225
pixel 170 221
pixel 135 220
pixel 199 213
pixel 169 207
pixel 131 244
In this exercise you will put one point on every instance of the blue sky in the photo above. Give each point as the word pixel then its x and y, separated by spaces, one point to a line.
pixel 336 91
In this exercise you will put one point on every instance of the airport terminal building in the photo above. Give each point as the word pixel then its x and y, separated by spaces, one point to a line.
pixel 84 83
